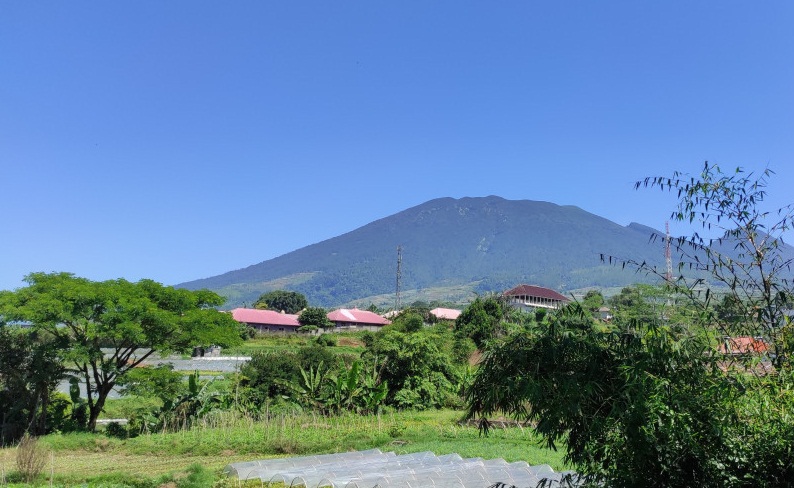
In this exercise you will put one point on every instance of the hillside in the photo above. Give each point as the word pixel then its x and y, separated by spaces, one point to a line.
pixel 467 245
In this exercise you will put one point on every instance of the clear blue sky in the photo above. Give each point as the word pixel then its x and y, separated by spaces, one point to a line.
pixel 178 140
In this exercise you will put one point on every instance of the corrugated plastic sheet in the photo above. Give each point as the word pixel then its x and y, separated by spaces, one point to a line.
pixel 373 468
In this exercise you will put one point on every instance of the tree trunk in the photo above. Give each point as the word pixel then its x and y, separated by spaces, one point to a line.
pixel 95 409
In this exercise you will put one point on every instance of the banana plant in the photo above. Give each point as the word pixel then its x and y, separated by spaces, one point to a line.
pixel 372 395
pixel 196 402
pixel 309 388
pixel 356 390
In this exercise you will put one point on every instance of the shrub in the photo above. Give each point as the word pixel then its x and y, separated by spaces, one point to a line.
pixel 311 356
pixel 264 373
pixel 417 367
pixel 115 429
pixel 31 458
pixel 640 406
pixel 327 340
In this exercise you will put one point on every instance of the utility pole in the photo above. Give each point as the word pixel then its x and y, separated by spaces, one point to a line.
pixel 667 256
pixel 398 300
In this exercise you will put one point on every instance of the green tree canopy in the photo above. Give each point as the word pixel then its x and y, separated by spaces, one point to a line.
pixel 481 320
pixel 282 301
pixel 110 327
pixel 30 369
pixel 418 369
pixel 592 301
pixel 747 257
pixel 315 316
pixel 652 401
pixel 408 322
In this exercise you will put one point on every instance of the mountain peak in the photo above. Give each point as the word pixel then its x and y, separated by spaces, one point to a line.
pixel 468 244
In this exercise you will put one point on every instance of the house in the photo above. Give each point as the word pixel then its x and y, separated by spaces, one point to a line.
pixel 605 314
pixel 355 319
pixel 530 297
pixel 743 346
pixel 449 314
pixel 266 320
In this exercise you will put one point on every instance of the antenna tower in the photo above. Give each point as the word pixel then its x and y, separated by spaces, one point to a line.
pixel 398 300
pixel 667 256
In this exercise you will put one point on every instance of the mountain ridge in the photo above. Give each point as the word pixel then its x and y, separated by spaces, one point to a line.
pixel 488 243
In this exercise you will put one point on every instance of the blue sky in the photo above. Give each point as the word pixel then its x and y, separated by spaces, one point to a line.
pixel 179 140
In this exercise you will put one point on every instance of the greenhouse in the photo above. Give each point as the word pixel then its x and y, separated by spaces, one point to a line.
pixel 373 468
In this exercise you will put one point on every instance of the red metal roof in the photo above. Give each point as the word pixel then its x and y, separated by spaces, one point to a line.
pixel 445 313
pixel 265 317
pixel 743 345
pixel 535 291
pixel 356 316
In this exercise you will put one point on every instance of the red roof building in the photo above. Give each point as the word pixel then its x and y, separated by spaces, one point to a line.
pixel 445 313
pixel 266 320
pixel 529 297
pixel 353 318
pixel 743 346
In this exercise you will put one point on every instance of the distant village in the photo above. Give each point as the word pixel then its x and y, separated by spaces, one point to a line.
pixel 524 297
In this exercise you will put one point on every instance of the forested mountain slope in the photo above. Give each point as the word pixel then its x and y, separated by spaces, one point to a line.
pixel 484 243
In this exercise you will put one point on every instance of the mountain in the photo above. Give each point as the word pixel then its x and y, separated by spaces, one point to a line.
pixel 449 249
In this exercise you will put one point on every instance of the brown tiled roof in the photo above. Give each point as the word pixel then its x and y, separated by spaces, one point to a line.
pixel 535 291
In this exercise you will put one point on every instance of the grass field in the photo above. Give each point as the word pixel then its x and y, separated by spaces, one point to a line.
pixel 179 459
pixel 347 343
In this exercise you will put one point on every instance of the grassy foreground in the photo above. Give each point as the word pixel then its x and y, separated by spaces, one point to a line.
pixel 195 457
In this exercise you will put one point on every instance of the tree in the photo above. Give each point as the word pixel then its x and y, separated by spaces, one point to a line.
pixel 638 302
pixel 159 382
pixel 747 258
pixel 418 370
pixel 266 375
pixel 315 316
pixel 30 369
pixel 592 301
pixel 637 406
pixel 651 401
pixel 282 301
pixel 408 322
pixel 107 328
pixel 481 320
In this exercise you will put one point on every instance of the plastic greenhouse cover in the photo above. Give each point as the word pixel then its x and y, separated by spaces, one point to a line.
pixel 373 468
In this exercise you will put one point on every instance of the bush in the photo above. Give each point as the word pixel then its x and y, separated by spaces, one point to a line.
pixel 264 374
pixel 31 458
pixel 645 405
pixel 408 322
pixel 198 477
pixel 328 340
pixel 311 356
pixel 115 429
pixel 417 367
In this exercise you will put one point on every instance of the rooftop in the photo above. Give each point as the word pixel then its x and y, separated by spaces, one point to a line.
pixel 535 291
pixel 265 317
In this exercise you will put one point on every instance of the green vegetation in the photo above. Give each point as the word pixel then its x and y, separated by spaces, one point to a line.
pixel 452 249
pixel 315 317
pixel 649 400
pixel 650 397
pixel 78 318
pixel 154 459
pixel 482 320
pixel 282 301
pixel 346 343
